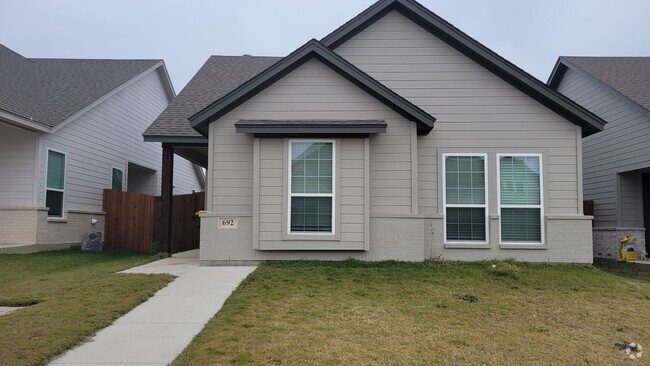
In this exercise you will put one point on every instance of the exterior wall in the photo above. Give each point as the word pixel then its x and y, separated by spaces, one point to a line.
pixel 476 112
pixel 392 238
pixel 623 146
pixel 17 166
pixel 29 226
pixel 607 241
pixel 312 91
pixel 110 135
pixel 569 240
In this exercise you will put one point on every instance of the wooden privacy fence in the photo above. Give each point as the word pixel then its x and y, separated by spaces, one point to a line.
pixel 133 220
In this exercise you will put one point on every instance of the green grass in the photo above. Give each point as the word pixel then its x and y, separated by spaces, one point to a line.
pixel 71 296
pixel 352 313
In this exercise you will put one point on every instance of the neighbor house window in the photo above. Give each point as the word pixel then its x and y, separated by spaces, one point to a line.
pixel 117 178
pixel 465 198
pixel 311 187
pixel 520 198
pixel 55 183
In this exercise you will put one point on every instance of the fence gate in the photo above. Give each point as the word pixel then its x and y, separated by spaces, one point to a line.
pixel 133 220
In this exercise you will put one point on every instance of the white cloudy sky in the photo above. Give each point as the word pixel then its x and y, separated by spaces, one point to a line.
pixel 529 33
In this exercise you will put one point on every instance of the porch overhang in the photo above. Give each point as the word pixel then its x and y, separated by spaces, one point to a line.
pixel 291 128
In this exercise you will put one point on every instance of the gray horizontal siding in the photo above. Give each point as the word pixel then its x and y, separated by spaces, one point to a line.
pixel 476 111
pixel 623 146
pixel 110 135
pixel 17 166
pixel 312 91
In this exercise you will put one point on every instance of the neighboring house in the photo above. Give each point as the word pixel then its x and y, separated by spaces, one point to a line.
pixel 616 160
pixel 69 129
pixel 397 136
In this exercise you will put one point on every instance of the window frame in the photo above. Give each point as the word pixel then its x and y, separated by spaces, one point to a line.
pixel 65 180
pixel 111 177
pixel 485 205
pixel 291 195
pixel 541 199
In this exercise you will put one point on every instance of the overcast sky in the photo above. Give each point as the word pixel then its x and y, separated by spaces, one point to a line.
pixel 529 33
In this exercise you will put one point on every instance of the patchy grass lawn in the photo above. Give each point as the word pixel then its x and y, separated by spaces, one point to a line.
pixel 72 295
pixel 354 313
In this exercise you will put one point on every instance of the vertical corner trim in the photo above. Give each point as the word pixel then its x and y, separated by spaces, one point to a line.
pixel 579 170
pixel 256 193
pixel 414 169
pixel 366 193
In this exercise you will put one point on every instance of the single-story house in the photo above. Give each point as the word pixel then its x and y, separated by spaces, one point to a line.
pixel 397 136
pixel 70 128
pixel 616 161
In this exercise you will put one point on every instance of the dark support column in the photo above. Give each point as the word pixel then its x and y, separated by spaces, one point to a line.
pixel 167 194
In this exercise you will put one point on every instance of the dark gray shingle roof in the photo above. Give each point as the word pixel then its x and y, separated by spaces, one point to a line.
pixel 218 76
pixel 628 75
pixel 48 91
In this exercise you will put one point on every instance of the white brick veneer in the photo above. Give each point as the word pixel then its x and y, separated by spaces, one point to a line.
pixel 30 225
pixel 568 240
pixel 606 241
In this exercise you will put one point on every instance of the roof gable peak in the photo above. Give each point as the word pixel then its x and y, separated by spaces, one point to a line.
pixel 313 49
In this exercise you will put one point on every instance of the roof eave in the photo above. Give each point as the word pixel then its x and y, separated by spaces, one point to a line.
pixel 312 49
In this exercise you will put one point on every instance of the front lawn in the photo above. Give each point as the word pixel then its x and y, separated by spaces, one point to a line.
pixel 354 313
pixel 71 296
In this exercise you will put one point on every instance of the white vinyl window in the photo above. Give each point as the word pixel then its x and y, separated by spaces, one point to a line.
pixel 465 199
pixel 520 198
pixel 55 183
pixel 117 179
pixel 311 187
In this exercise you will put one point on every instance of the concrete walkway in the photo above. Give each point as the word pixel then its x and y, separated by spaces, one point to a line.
pixel 156 331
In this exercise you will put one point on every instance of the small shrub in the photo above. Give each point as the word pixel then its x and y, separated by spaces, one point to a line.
pixel 154 247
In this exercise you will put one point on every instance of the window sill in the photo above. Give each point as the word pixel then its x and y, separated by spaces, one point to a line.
pixel 467 246
pixel 524 246
pixel 61 220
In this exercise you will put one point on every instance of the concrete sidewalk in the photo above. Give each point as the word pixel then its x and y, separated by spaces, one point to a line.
pixel 156 331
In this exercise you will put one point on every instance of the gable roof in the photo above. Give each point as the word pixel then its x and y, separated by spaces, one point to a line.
pixel 471 48
pixel 46 92
pixel 217 77
pixel 629 76
pixel 312 50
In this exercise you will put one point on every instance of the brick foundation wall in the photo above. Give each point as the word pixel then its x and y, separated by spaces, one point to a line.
pixel 30 226
pixel 407 238
pixel 399 238
pixel 606 241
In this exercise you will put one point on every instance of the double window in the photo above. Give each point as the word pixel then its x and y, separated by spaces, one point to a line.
pixel 55 183
pixel 311 187
pixel 519 198
pixel 465 198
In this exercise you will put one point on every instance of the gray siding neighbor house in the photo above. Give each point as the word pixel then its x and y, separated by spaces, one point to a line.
pixel 70 128
pixel 616 161
pixel 397 136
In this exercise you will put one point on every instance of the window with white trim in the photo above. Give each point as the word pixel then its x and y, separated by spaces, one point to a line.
pixel 465 198
pixel 117 179
pixel 520 198
pixel 311 187
pixel 55 183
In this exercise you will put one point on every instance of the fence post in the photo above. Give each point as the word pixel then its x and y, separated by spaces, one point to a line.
pixel 167 194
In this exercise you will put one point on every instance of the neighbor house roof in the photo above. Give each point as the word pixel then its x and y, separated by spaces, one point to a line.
pixel 216 78
pixel 312 50
pixel 46 92
pixel 629 76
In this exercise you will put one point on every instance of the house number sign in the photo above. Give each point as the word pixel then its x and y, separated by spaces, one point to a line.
pixel 227 223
